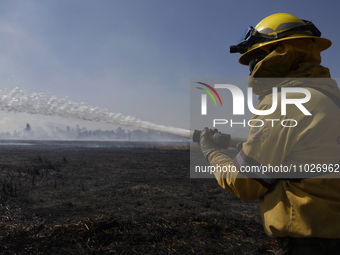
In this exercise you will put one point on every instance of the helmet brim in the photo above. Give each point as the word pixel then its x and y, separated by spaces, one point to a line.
pixel 322 44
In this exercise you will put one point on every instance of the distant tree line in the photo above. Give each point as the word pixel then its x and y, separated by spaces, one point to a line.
pixel 68 133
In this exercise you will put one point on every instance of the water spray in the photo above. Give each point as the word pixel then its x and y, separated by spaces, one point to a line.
pixel 18 100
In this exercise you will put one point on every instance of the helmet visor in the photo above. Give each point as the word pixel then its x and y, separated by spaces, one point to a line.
pixel 246 41
pixel 253 36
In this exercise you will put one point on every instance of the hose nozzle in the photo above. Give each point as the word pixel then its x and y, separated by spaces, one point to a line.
pixel 224 141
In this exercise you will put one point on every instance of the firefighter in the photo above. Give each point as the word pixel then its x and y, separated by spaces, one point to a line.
pixel 302 214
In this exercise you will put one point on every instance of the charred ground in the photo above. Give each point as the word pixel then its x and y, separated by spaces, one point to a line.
pixel 78 200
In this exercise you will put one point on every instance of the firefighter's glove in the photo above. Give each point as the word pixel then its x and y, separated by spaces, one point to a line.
pixel 206 142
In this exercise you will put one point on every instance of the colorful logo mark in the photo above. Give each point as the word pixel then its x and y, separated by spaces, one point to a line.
pixel 208 92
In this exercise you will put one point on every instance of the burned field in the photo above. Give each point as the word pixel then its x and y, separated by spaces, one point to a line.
pixel 106 200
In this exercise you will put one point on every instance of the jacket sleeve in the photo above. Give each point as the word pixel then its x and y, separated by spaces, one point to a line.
pixel 233 181
pixel 268 144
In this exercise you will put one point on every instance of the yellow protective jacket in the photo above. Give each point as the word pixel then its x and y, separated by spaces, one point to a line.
pixel 311 207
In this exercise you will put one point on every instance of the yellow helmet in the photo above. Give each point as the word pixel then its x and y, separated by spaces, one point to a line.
pixel 275 28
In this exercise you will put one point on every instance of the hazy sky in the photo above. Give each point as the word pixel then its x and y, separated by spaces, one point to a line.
pixel 135 57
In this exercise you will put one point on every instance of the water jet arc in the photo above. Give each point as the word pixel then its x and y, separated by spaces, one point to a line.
pixel 17 100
